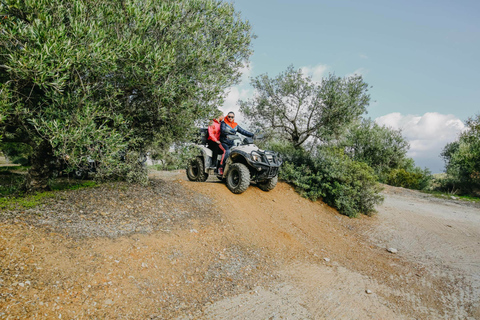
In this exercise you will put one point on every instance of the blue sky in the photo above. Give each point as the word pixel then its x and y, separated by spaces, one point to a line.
pixel 422 59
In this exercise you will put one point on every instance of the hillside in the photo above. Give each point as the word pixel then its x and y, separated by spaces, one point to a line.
pixel 187 250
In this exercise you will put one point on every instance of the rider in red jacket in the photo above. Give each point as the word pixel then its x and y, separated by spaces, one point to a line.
pixel 213 140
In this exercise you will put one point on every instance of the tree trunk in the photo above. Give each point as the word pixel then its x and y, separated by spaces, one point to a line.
pixel 43 164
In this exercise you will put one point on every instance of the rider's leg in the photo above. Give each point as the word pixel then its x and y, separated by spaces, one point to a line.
pixel 214 147
pixel 225 155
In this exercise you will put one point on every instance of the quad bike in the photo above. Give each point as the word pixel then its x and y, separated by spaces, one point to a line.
pixel 245 163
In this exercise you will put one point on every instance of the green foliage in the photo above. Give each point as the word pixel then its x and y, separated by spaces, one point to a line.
pixel 13 199
pixel 385 150
pixel 462 160
pixel 419 180
pixel 18 153
pixel 330 175
pixel 293 107
pixel 94 78
pixel 12 179
pixel 59 185
pixel 10 182
pixel 380 147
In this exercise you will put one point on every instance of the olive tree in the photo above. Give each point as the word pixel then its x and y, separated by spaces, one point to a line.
pixel 462 160
pixel 97 78
pixel 307 121
pixel 382 148
pixel 385 150
pixel 292 106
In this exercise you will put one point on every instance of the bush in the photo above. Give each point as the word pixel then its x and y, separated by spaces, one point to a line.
pixel 345 184
pixel 380 147
pixel 453 185
pixel 462 161
pixel 417 179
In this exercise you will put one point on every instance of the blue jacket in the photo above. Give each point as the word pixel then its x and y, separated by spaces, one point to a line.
pixel 226 129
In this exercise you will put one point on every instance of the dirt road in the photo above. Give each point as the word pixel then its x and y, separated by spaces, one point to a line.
pixel 443 236
pixel 208 254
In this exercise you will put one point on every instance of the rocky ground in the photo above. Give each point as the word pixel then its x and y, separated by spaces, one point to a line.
pixel 184 250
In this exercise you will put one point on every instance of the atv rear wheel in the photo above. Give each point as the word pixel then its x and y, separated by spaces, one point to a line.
pixel 196 170
pixel 268 184
pixel 80 174
pixel 238 178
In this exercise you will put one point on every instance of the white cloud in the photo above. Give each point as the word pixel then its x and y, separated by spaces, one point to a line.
pixel 238 92
pixel 316 72
pixel 234 94
pixel 246 73
pixel 427 134
pixel 359 72
pixel 363 56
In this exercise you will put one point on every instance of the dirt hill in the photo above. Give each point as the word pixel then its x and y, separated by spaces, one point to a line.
pixel 187 250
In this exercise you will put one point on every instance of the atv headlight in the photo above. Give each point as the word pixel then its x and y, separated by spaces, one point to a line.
pixel 256 157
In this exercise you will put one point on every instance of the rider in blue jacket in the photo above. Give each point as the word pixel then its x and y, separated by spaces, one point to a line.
pixel 227 127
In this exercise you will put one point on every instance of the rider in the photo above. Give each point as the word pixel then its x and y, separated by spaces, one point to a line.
pixel 213 139
pixel 229 127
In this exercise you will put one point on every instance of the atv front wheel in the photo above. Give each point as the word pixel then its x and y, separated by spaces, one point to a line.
pixel 268 184
pixel 195 170
pixel 238 178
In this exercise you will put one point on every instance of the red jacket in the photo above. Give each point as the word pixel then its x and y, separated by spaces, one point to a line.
pixel 214 131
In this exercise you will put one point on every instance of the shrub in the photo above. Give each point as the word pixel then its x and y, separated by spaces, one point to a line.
pixel 416 179
pixel 330 175
pixel 380 147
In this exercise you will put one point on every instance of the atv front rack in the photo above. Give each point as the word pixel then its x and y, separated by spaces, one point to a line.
pixel 266 158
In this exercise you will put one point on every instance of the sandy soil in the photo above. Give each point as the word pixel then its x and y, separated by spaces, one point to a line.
pixel 187 250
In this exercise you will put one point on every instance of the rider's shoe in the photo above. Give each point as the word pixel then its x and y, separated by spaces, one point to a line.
pixel 220 171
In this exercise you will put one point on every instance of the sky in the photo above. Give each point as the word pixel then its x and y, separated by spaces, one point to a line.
pixel 421 59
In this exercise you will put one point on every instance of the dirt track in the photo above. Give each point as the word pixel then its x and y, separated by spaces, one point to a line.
pixel 252 256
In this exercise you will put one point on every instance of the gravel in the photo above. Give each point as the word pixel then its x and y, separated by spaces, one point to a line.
pixel 118 209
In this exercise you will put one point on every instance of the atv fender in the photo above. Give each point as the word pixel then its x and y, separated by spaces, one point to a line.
pixel 206 155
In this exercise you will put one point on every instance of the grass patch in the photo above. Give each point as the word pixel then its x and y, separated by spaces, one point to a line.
pixel 443 195
pixel 67 184
pixel 13 199
pixel 25 202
